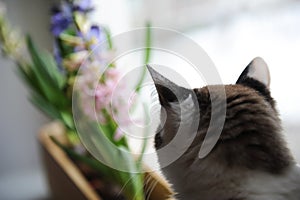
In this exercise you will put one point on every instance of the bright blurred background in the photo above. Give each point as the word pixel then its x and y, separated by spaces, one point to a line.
pixel 231 32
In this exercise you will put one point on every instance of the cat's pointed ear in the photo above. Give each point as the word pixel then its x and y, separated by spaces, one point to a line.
pixel 168 91
pixel 258 70
pixel 257 76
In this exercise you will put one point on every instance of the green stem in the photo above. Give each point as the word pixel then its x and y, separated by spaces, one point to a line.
pixel 108 38
pixel 145 141
pixel 147 57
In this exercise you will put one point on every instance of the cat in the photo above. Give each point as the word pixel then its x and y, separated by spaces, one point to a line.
pixel 250 161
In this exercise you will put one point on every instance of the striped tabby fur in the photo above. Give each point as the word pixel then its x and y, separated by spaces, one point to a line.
pixel 251 160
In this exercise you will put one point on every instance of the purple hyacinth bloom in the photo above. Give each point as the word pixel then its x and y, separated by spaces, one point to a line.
pixel 83 6
pixel 61 18
pixel 94 36
pixel 59 23
pixel 94 32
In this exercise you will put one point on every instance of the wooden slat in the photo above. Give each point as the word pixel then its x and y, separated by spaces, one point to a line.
pixel 66 181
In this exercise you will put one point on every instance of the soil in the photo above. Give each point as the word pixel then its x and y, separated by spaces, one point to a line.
pixel 106 190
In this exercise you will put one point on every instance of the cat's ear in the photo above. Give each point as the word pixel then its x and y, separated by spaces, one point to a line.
pixel 256 70
pixel 168 91
pixel 257 76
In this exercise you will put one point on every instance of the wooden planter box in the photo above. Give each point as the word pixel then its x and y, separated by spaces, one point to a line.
pixel 67 182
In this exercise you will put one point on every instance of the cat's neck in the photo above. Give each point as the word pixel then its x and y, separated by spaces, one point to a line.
pixel 205 179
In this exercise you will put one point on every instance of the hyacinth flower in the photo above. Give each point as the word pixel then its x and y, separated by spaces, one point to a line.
pixel 83 6
pixel 50 78
pixel 107 112
pixel 61 18
pixel 84 41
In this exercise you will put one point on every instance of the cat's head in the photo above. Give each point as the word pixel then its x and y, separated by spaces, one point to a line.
pixel 251 129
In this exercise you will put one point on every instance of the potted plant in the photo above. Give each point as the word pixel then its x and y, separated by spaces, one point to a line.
pixel 68 181
pixel 73 172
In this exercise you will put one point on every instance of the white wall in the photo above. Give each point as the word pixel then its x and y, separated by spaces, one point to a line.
pixel 182 15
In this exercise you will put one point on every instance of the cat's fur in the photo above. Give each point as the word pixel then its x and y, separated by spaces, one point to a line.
pixel 250 161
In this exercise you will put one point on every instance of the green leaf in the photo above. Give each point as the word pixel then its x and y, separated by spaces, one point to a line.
pixel 145 141
pixel 146 57
pixel 108 37
pixel 56 76
pixel 133 181
pixel 73 137
pixel 148 43
pixel 67 119
pixel 49 81
pixel 109 130
pixel 28 78
pixel 41 103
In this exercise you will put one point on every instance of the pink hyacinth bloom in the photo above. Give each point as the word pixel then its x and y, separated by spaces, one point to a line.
pixel 108 97
pixel 118 134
